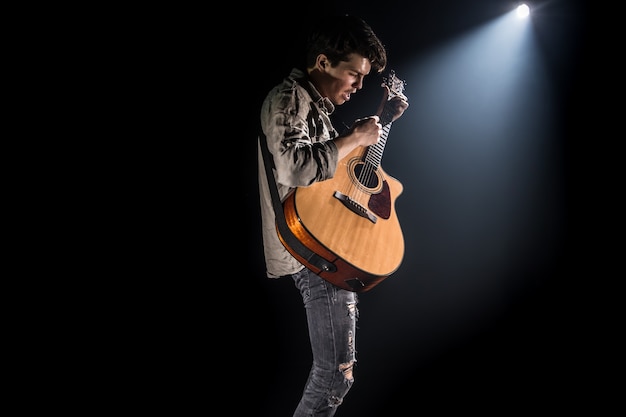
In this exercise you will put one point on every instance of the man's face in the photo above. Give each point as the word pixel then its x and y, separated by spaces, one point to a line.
pixel 339 82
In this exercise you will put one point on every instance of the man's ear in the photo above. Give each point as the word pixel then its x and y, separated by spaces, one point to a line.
pixel 322 62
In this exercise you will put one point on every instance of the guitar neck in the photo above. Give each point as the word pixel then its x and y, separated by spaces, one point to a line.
pixel 395 87
pixel 386 116
pixel 374 154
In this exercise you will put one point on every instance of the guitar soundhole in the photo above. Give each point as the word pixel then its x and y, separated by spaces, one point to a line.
pixel 367 179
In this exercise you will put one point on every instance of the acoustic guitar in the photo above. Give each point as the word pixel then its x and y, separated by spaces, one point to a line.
pixel 350 219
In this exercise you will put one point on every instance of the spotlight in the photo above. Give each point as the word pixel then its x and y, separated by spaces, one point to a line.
pixel 523 10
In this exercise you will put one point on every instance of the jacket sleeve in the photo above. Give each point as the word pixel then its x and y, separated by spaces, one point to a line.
pixel 298 134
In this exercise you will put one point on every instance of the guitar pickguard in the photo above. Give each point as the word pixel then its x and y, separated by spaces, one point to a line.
pixel 380 203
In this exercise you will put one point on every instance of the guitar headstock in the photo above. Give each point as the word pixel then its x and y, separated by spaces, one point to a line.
pixel 395 86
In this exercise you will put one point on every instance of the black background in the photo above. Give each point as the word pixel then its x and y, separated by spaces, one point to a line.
pixel 221 335
pixel 529 357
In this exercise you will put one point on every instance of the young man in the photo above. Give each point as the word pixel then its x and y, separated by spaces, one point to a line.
pixel 306 148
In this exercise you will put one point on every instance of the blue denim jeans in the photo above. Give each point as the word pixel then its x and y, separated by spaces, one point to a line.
pixel 331 315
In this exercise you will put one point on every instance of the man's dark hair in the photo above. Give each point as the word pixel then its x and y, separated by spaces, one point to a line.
pixel 339 36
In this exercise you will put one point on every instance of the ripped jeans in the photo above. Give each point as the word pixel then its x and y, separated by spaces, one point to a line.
pixel 331 315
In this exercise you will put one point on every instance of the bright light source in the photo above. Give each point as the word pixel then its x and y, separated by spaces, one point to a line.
pixel 523 10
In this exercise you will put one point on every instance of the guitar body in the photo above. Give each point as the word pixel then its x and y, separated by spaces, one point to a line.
pixel 364 247
pixel 350 220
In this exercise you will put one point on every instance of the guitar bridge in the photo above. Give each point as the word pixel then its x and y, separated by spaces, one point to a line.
pixel 355 207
